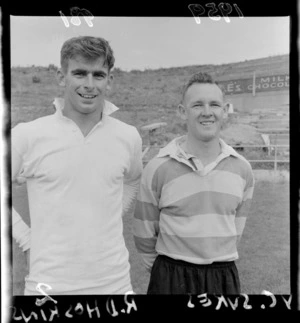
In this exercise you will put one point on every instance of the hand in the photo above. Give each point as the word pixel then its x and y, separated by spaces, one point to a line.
pixel 27 258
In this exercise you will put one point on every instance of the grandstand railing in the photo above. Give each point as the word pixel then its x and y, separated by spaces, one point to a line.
pixel 273 148
pixel 270 147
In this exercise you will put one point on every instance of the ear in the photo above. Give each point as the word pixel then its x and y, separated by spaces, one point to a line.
pixel 181 110
pixel 61 78
pixel 110 82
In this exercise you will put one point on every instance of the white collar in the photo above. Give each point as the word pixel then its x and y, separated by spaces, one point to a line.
pixel 108 109
pixel 173 149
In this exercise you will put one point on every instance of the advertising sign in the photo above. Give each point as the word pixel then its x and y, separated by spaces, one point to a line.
pixel 262 84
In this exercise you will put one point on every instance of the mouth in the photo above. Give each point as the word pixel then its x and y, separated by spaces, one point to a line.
pixel 207 123
pixel 87 96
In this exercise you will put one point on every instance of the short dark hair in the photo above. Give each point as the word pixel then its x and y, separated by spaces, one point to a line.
pixel 201 78
pixel 88 47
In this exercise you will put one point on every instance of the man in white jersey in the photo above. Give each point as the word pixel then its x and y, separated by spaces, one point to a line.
pixel 82 169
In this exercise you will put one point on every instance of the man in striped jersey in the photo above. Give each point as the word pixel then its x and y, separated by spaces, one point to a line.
pixel 193 202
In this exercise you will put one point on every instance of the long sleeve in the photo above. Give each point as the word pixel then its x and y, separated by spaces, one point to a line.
pixel 20 231
pixel 146 219
pixel 129 196
pixel 244 207
pixel 132 178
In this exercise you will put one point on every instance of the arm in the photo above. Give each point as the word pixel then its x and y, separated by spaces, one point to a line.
pixel 20 230
pixel 132 178
pixel 129 196
pixel 243 209
pixel 146 220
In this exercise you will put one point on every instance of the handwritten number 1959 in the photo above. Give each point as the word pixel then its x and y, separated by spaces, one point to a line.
pixel 225 9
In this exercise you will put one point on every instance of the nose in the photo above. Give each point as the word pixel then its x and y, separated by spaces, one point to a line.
pixel 89 82
pixel 206 110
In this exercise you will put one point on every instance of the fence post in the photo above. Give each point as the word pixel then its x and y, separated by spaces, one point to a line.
pixel 275 163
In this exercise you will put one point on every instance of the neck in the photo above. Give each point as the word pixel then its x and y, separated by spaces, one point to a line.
pixel 205 151
pixel 85 121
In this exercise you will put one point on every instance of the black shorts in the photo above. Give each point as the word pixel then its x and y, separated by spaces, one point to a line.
pixel 170 276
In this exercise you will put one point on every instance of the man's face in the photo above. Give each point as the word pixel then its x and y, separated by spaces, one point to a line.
pixel 86 83
pixel 204 110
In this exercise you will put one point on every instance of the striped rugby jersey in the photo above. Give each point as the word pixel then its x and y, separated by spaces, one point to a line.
pixel 189 212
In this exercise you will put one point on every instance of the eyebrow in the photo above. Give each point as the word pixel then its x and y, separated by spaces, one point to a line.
pixel 80 70
pixel 212 101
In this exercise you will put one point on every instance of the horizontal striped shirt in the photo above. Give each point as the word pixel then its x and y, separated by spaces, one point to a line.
pixel 190 212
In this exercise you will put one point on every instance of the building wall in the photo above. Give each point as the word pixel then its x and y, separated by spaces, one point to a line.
pixel 247 103
pixel 271 93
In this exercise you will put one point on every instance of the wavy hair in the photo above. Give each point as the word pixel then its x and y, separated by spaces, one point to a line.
pixel 201 78
pixel 88 47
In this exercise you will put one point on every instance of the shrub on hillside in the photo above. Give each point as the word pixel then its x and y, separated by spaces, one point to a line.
pixel 52 67
pixel 36 79
pixel 117 70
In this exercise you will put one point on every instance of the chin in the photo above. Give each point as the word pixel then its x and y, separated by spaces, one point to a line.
pixel 86 110
pixel 207 138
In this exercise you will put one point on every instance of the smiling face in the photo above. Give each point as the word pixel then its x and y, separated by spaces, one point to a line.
pixel 204 110
pixel 86 83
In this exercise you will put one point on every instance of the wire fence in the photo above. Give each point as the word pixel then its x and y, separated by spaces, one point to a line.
pixel 272 153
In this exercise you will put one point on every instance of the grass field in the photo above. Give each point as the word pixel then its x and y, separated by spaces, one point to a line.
pixel 264 250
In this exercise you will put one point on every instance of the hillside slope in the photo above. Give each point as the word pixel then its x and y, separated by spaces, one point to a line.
pixel 143 96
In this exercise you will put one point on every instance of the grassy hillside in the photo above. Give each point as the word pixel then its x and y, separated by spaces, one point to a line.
pixel 143 96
